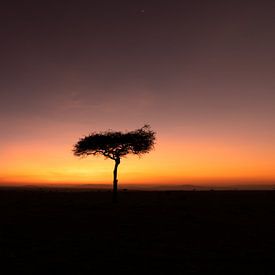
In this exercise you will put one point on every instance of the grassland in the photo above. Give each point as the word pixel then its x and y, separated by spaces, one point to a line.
pixel 66 231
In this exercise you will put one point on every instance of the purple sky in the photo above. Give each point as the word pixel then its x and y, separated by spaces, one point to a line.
pixel 189 68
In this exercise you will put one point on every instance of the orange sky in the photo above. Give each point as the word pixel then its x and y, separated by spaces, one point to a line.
pixel 209 160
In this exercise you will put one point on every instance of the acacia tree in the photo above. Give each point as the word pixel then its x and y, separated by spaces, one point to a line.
pixel 115 145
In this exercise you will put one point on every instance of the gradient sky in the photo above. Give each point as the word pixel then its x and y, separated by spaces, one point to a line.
pixel 202 73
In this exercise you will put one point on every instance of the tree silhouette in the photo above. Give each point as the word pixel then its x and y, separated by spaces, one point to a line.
pixel 115 145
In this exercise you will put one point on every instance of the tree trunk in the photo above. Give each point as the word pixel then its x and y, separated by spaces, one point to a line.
pixel 115 180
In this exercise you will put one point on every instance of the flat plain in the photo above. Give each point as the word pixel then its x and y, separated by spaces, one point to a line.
pixel 67 231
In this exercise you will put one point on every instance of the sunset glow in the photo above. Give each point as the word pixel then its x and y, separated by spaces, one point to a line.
pixel 173 161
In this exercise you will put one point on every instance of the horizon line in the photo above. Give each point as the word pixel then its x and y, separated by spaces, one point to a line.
pixel 147 186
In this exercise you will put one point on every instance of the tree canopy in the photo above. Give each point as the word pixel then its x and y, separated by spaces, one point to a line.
pixel 115 145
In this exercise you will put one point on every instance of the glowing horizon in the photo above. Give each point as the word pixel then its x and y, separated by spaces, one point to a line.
pixel 173 161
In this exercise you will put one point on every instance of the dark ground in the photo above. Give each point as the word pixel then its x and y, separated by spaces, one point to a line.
pixel 76 232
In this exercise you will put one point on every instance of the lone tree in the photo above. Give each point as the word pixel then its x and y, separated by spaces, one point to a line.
pixel 115 145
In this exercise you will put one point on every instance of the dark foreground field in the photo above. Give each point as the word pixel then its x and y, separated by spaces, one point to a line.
pixel 73 232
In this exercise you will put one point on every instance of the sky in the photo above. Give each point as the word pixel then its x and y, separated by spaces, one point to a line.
pixel 201 73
